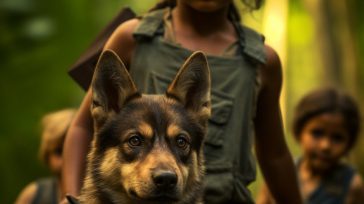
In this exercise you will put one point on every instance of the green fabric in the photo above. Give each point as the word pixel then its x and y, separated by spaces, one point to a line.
pixel 229 161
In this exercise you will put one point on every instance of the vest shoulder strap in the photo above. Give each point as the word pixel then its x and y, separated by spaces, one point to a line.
pixel 252 43
pixel 150 23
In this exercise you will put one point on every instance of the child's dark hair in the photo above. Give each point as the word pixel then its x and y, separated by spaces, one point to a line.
pixel 328 100
pixel 234 12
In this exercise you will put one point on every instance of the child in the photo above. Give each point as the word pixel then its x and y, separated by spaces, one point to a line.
pixel 47 190
pixel 246 84
pixel 326 124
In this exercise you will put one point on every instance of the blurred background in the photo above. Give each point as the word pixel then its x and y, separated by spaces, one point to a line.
pixel 319 42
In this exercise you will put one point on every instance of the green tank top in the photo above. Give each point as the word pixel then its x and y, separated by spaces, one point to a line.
pixel 334 186
pixel 230 165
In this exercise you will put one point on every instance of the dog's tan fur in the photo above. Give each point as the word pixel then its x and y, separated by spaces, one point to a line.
pixel 139 137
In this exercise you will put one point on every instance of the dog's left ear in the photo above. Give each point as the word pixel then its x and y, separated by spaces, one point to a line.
pixel 112 86
pixel 192 85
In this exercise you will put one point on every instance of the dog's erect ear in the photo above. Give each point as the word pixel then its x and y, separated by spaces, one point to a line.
pixel 192 85
pixel 111 85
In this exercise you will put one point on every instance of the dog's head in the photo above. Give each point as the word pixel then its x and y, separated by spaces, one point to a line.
pixel 149 147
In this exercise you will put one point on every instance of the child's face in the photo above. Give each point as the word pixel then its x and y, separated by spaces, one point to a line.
pixel 324 139
pixel 55 162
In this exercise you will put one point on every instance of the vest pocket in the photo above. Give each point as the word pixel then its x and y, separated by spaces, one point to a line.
pixel 219 180
pixel 222 106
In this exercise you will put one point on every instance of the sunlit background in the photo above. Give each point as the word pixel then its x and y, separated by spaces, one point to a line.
pixel 319 42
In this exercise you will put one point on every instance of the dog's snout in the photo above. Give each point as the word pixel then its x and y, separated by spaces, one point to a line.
pixel 164 179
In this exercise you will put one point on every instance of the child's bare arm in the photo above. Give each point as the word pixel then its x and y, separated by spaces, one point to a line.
pixel 76 146
pixel 122 41
pixel 27 195
pixel 356 191
pixel 264 196
pixel 273 155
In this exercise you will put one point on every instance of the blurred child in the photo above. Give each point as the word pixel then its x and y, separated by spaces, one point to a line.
pixel 47 190
pixel 326 125
pixel 246 78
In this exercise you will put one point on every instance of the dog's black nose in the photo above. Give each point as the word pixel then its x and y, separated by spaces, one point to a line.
pixel 164 179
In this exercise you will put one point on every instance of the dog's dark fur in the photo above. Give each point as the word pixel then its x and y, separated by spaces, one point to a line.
pixel 147 149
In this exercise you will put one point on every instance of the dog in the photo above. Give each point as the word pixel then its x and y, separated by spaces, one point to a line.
pixel 147 149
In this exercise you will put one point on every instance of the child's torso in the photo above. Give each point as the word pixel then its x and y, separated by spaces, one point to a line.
pixel 332 188
pixel 229 161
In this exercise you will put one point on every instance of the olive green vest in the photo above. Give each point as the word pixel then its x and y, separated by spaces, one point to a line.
pixel 230 165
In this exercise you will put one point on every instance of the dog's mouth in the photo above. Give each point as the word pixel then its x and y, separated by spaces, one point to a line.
pixel 156 196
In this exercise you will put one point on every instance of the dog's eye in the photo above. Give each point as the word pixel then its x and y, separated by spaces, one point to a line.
pixel 182 142
pixel 135 140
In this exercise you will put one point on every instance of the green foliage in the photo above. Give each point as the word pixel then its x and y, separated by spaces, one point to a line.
pixel 302 71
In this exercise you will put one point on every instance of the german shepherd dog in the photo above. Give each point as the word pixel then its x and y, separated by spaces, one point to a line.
pixel 147 149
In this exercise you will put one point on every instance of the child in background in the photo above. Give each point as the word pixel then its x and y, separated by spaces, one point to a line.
pixel 246 81
pixel 326 124
pixel 48 190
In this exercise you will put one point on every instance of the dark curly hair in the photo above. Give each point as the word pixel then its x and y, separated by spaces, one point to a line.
pixel 328 100
pixel 234 13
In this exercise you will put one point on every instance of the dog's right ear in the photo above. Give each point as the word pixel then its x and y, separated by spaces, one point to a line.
pixel 192 86
pixel 112 86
